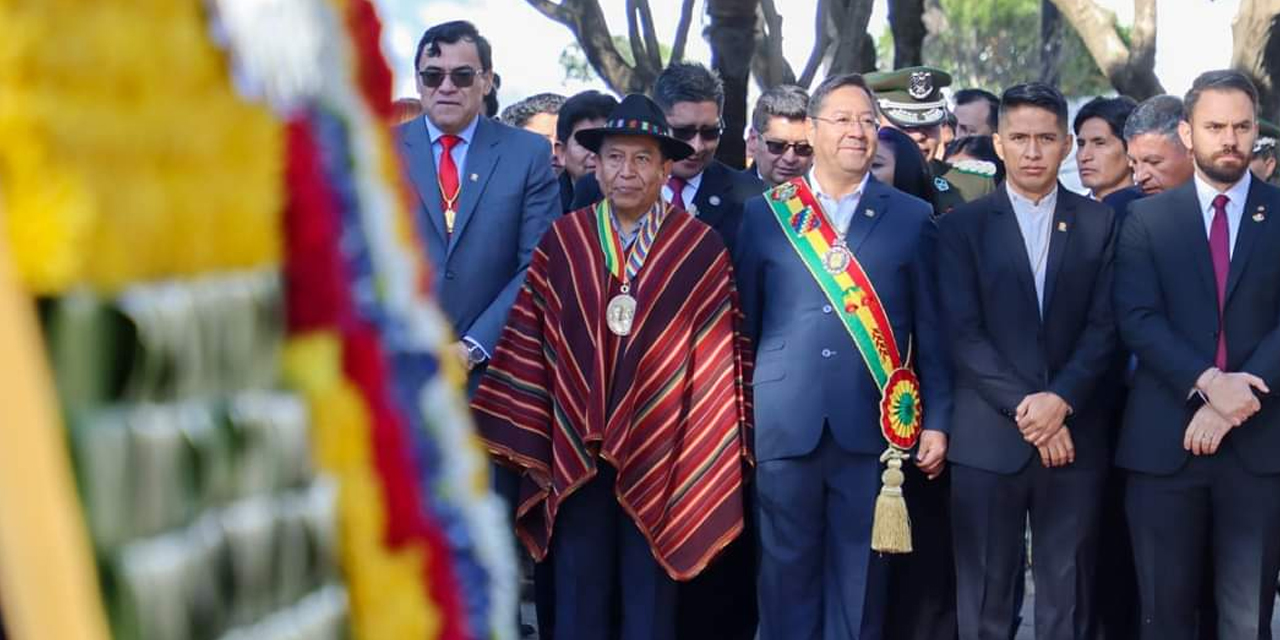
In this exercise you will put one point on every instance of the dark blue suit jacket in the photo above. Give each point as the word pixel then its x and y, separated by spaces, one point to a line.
pixel 1166 302
pixel 808 371
pixel 509 198
pixel 719 200
pixel 1002 349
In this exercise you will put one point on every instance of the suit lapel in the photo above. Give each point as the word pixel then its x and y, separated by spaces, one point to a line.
pixel 481 158
pixel 422 171
pixel 712 187
pixel 1064 224
pixel 1190 227
pixel 1009 236
pixel 872 207
pixel 1251 226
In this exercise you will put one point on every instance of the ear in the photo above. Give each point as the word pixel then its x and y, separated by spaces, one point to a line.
pixel 668 165
pixel 811 131
pixel 998 143
pixel 1066 149
pixel 1184 132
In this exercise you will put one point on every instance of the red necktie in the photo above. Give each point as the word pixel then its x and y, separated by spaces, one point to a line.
pixel 1220 251
pixel 677 191
pixel 448 175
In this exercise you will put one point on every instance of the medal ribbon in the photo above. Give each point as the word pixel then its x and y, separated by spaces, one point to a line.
pixel 626 268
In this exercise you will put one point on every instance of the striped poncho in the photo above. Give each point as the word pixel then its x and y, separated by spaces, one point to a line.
pixel 665 406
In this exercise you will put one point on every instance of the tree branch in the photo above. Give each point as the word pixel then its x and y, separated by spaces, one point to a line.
pixel 638 54
pixel 771 66
pixel 1130 72
pixel 551 10
pixel 821 41
pixel 682 31
pixel 1142 43
pixel 650 35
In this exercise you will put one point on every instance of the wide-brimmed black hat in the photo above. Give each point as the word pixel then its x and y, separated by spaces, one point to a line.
pixel 636 115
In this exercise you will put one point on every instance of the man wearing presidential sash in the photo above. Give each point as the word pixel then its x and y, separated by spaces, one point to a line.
pixel 836 274
pixel 616 392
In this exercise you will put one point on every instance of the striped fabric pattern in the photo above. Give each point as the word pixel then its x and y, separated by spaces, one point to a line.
pixel 666 406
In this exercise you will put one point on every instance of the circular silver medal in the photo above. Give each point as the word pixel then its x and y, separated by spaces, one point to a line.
pixel 620 313
pixel 836 259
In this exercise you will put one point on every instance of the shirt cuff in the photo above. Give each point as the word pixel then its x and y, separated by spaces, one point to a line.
pixel 473 345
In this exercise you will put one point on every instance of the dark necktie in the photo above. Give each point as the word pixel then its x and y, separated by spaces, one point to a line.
pixel 449 187
pixel 677 192
pixel 1220 250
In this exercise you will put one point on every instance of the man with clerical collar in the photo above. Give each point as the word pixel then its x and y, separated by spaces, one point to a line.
pixel 1025 275
pixel 1197 299
pixel 691 97
pixel 838 287
pixel 778 141
pixel 616 392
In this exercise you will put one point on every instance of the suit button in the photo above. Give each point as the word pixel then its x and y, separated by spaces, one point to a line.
pixel 826 308
pixel 827 353
pixel 449 275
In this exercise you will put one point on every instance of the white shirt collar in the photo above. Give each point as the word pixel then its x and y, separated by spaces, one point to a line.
pixel 1019 201
pixel 467 134
pixel 1237 194
pixel 819 191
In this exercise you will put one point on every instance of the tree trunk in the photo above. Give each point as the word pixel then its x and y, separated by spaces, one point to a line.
pixel 1256 50
pixel 847 26
pixel 906 19
pixel 1050 43
pixel 1129 67
pixel 732 37
pixel 770 65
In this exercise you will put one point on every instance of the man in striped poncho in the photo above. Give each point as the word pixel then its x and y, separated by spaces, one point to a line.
pixel 616 392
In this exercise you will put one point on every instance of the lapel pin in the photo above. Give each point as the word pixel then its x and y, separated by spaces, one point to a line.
pixel 474 177
pixel 714 200
pixel 1260 215
pixel 1062 226
pixel 869 213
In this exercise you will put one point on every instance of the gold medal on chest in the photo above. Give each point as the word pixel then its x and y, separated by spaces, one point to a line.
pixel 836 260
pixel 621 312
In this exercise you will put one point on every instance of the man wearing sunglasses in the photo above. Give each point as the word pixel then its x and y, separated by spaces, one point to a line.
pixel 486 190
pixel 778 142
pixel 692 99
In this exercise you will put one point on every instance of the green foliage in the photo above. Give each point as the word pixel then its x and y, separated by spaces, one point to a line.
pixel 994 44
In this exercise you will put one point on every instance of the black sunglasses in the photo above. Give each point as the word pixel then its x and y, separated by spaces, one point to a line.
pixel 777 148
pixel 686 134
pixel 462 77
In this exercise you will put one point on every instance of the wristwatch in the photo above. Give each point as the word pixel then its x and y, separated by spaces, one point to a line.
pixel 475 353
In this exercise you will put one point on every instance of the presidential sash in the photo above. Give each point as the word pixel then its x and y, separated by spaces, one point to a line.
pixel 844 282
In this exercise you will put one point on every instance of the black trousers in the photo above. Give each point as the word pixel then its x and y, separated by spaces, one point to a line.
pixel 1211 513
pixel 720 603
pixel 989 513
pixel 922 584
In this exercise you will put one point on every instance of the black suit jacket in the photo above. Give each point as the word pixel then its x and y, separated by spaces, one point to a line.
pixel 1166 304
pixel 1001 349
pixel 719 200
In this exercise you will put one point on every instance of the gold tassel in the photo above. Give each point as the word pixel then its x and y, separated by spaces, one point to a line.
pixel 891 527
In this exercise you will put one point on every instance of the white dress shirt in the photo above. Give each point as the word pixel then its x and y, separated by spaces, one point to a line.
pixel 1236 197
pixel 1035 220
pixel 690 190
pixel 459 153
pixel 841 211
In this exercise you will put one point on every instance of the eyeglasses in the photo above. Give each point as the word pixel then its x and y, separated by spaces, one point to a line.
pixel 778 147
pixel 867 123
pixel 462 77
pixel 708 134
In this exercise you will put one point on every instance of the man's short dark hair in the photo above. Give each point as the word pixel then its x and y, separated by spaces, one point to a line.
pixel 1038 95
pixel 967 96
pixel 688 82
pixel 587 105
pixel 1113 111
pixel 783 101
pixel 839 82
pixel 453 33
pixel 1221 80
pixel 520 113
pixel 1159 115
